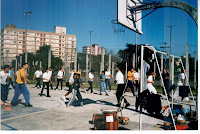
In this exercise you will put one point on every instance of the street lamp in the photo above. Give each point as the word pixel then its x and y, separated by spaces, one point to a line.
pixel 26 54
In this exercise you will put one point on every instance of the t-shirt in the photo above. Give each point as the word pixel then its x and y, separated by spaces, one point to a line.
pixel 11 73
pixel 107 73
pixel 46 76
pixel 3 77
pixel 130 75
pixel 50 72
pixel 164 75
pixel 78 72
pixel 71 79
pixel 119 78
pixel 102 77
pixel 60 75
pixel 53 73
pixel 38 74
pixel 16 73
pixel 20 76
pixel 91 76
pixel 137 76
pixel 180 77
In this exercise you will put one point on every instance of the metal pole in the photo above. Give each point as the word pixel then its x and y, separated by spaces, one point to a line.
pixel 49 58
pixel 172 68
pixel 126 70
pixel 134 61
pixel 0 56
pixel 161 67
pixel 113 64
pixel 141 85
pixel 7 51
pixel 187 65
pixel 20 61
pixel 26 55
pixel 75 60
pixel 195 74
pixel 40 64
pixel 16 64
pixel 109 62
pixel 86 70
pixel 136 52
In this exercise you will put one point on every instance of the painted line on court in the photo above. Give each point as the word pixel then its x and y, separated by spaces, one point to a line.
pixel 11 128
pixel 29 114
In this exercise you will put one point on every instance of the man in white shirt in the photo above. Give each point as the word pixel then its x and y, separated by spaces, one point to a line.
pixel 4 78
pixel 108 75
pixel 38 75
pixel 150 82
pixel 90 81
pixel 60 78
pixel 137 78
pixel 120 86
pixel 46 80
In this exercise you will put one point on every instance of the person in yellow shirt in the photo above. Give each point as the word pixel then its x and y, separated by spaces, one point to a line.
pixel 79 72
pixel 131 80
pixel 20 87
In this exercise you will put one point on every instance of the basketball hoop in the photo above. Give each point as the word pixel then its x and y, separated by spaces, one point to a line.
pixel 117 28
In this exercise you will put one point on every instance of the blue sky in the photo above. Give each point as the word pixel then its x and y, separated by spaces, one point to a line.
pixel 81 16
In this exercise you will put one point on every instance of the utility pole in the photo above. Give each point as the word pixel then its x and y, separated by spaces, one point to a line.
pixel 75 60
pixel 109 62
pixel 102 59
pixel 113 64
pixel 86 70
pixel 90 50
pixel 49 58
pixel 136 52
pixel 20 61
pixel 26 54
pixel 165 50
pixel 171 26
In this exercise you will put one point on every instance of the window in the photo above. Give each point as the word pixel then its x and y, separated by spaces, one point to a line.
pixel 63 37
pixel 14 32
pixel 63 45
pixel 72 42
pixel 19 42
pixel 20 33
pixel 7 31
pixel 38 34
pixel 14 41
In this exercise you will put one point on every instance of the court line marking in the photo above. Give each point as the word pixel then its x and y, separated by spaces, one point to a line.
pixel 11 128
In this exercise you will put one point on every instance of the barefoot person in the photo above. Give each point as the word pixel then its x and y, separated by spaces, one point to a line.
pixel 75 91
pixel 5 106
pixel 20 87
pixel 46 80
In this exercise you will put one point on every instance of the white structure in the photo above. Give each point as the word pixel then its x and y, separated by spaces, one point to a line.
pixel 14 40
pixel 95 49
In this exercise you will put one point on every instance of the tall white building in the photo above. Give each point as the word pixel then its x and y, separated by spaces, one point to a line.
pixel 14 40
pixel 95 49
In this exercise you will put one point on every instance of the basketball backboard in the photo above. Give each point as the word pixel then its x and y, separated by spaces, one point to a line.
pixel 127 18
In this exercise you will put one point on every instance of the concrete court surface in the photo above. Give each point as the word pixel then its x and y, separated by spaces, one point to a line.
pixel 52 113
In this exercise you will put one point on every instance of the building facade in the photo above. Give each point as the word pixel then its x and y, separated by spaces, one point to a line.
pixel 13 41
pixel 95 49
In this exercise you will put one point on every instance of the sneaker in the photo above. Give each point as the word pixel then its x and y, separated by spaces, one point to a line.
pixel 28 105
pixel 40 94
pixel 85 91
pixel 107 95
pixel 48 96
pixel 63 98
pixel 92 93
pixel 100 94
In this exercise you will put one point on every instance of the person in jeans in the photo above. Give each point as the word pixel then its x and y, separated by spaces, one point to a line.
pixel 90 81
pixel 75 91
pixel 38 75
pixel 46 80
pixel 4 78
pixel 131 80
pixel 12 74
pixel 60 78
pixel 20 87
pixel 102 83
pixel 120 87
pixel 108 75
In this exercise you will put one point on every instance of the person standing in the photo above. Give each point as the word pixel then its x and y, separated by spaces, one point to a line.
pixel 108 75
pixel 131 80
pixel 165 76
pixel 120 87
pixel 46 80
pixel 102 83
pixel 137 78
pixel 150 82
pixel 4 78
pixel 75 91
pixel 38 75
pixel 20 87
pixel 79 71
pixel 90 81
pixel 60 78
pixel 12 74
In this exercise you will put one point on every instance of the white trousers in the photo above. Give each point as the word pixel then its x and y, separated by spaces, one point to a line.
pixel 151 88
pixel 176 93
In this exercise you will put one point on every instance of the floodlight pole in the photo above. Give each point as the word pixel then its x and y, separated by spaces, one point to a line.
pixel 26 54
pixel 136 52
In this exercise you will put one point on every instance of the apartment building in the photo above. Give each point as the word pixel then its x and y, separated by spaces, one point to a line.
pixel 13 41
pixel 95 49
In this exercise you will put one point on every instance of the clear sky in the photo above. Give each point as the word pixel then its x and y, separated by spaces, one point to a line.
pixel 81 16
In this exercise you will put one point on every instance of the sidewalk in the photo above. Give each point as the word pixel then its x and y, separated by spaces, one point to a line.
pixel 52 113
